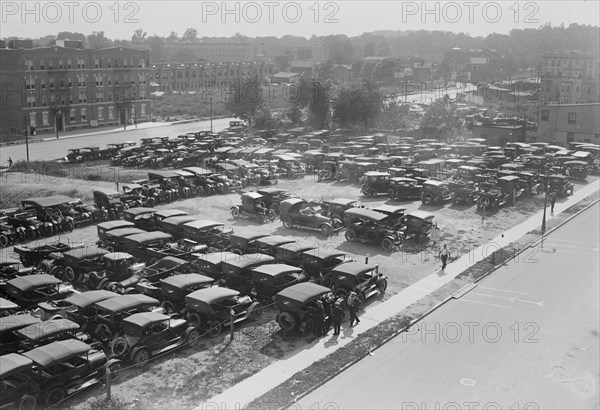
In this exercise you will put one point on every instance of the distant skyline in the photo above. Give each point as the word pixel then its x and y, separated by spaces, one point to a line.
pixel 119 20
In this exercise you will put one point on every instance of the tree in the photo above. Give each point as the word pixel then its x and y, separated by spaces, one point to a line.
pixel 245 99
pixel 282 61
pixel 139 36
pixel 440 119
pixel 97 40
pixel 319 105
pixel 393 113
pixel 157 47
pixel 172 37
pixel 358 105
pixel 384 70
pixel 324 71
pixel 294 115
pixel 190 34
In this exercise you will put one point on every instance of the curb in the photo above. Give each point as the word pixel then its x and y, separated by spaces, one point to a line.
pixel 430 311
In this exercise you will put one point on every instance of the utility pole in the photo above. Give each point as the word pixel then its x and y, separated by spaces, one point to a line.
pixel 545 205
pixel 211 115
pixel 26 138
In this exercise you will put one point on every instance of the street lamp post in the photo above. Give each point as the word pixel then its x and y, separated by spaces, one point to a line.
pixel 546 186
pixel 211 115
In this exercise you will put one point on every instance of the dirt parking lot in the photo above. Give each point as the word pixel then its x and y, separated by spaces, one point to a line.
pixel 184 378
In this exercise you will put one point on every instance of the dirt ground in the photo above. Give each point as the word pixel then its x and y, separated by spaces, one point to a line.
pixel 184 378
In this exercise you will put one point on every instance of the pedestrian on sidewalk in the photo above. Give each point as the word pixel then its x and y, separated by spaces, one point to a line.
pixel 319 319
pixel 10 162
pixel 338 313
pixel 552 202
pixel 444 256
pixel 353 303
pixel 327 309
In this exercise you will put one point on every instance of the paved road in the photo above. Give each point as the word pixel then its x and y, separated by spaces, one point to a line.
pixel 525 338
pixel 58 148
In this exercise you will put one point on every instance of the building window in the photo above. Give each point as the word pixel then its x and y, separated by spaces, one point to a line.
pixel 577 90
pixel 30 83
pixel 43 84
pixel 31 100
pixel 80 63
pixel 111 112
pixel 29 65
pixel 61 64
pixel 32 119
pixel 83 114
pixel 72 115
pixel 545 115
pixel 108 63
pixel 45 118
pixel 100 113
pixel 570 137
pixel 96 63
pixel 69 64
pixel 42 65
pixel 572 118
pixel 116 63
pixel 143 109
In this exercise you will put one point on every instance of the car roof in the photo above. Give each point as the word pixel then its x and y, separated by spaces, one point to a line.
pixel 583 163
pixel 390 208
pixel 47 201
pixel 290 202
pixel 145 318
pixel 122 232
pixel 162 174
pixel 7 304
pixel 12 363
pixel 12 322
pixel 41 330
pixel 25 283
pixel 139 211
pixel 253 195
pixel 353 268
pixel 365 213
pixel 509 178
pixel 198 170
pixel 275 240
pixel 186 279
pixel 276 269
pixel 403 179
pixel 216 257
pixel 150 236
pixel 211 295
pixel 376 174
pixel 124 302
pixel 85 299
pixel 341 201
pixel 115 225
pixel 420 214
pixel 203 224
pixel 321 253
pixel 435 183
pixel 178 220
pixel 170 260
pixel 86 253
pixel 250 259
pixel 296 247
pixel 57 352
pixel 271 190
pixel 167 213
pixel 117 256
pixel 303 292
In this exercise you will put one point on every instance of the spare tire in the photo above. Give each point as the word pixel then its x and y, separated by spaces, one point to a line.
pixel 119 347
pixel 287 321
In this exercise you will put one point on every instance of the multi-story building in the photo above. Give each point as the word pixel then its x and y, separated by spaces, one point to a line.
pixel 206 76
pixel 565 123
pixel 63 88
pixel 214 52
pixel 570 78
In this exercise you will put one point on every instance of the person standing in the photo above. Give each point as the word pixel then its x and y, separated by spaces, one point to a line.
pixel 444 256
pixel 319 319
pixel 337 318
pixel 327 309
pixel 552 202
pixel 10 162
pixel 353 303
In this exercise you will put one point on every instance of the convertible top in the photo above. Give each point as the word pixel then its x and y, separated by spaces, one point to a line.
pixel 13 322
pixel 26 283
pixel 89 252
pixel 150 237
pixel 7 305
pixel 210 295
pixel 85 299
pixel 353 268
pixel 145 318
pixel 202 224
pixel 108 226
pixel 365 213
pixel 57 352
pixel 45 202
pixel 138 211
pixel 12 363
pixel 250 259
pixel 276 269
pixel 304 292
pixel 275 240
pixel 185 280
pixel 167 213
pixel 42 330
pixel 125 302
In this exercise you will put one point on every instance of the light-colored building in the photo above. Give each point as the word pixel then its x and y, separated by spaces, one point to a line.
pixel 306 68
pixel 498 135
pixel 342 73
pixel 565 123
pixel 65 88
pixel 283 77
pixel 213 52
pixel 570 78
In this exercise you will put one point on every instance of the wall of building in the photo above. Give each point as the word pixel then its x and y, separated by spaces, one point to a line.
pixel 499 135
pixel 564 123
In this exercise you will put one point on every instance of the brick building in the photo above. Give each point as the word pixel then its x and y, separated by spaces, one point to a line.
pixel 570 78
pixel 66 88
pixel 221 52
pixel 564 123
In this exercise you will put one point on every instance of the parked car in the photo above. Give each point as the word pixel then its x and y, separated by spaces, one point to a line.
pixel 209 264
pixel 110 201
pixel 174 225
pixel 211 309
pixel 73 265
pixel 9 326
pixel 560 185
pixel 291 253
pixel 210 233
pixel 254 206
pixel 105 227
pixel 268 244
pixel 155 245
pixel 318 263
pixel 15 379
pixel 274 196
pixel 394 214
pixel 119 273
pixel 268 280
pixel 296 306
pixel 418 225
pixel 113 240
pixel 578 170
pixel 368 226
pixel 141 217
pixel 110 313
pixel 172 290
pixel 299 212
pixel 244 242
pixel 43 333
pixel 63 368
pixel 237 273
pixel 34 256
pixel 144 335
pixel 404 188
pixel 435 192
pixel 28 291
pixel 364 279
pixel 375 183
pixel 335 208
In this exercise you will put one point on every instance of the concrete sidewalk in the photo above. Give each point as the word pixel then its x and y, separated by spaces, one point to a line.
pixel 260 383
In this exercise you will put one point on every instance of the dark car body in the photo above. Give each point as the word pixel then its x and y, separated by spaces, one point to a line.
pixel 299 212
pixel 364 279
pixel 268 280
pixel 295 304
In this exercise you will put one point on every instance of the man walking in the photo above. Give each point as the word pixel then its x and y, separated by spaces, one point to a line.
pixel 444 256
pixel 10 162
pixel 353 303
pixel 552 202
pixel 337 318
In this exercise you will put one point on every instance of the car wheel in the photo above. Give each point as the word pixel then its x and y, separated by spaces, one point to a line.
pixel 391 193
pixel 112 215
pixel 235 212
pixel 114 370
pixel 119 347
pixel 57 272
pixel 168 306
pixel 288 222
pixel 256 312
pixel 4 241
pixel 275 208
pixel 326 230
pixel 141 357
pixel 484 202
pixel 382 286
pixel 372 192
pixel 351 235
pixel 193 338
pixel 30 233
pixel 271 214
pixel 70 274
pixel 70 225
pixel 55 395
pixel 287 321
pixel 387 244
pixel 27 402
pixel 194 319
pixel 45 266
pixel 103 333
pixel 215 328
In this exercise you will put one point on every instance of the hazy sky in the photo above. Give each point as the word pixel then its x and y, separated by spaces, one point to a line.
pixel 118 19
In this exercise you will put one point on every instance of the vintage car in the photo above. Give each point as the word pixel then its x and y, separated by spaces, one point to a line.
pixel 237 273
pixel 375 183
pixel 211 233
pixel 167 213
pixel 368 226
pixel 296 305
pixel 79 308
pixel 274 196
pixel 119 273
pixel 559 185
pixel 43 333
pixel 9 325
pixel 112 240
pixel 172 290
pixel 435 192
pixel 110 201
pixel 578 170
pixel 109 226
pixel 463 192
pixel 490 196
pixel 335 208
pixel 210 263
pixel 364 279
pixel 394 214
pixel 15 382
pixel 155 245
pixel 73 265
pixel 49 211
pixel 68 366
pixel 28 291
pixel 10 269
pixel 298 212
pixel 268 280
pixel 291 253
pixel 174 225
pixel 244 242
pixel 418 225
pixel 7 307
pixel 319 262
pixel 211 309
pixel 254 206
pixel 145 335
pixel 33 256
pixel 404 188
pixel 141 217
pixel 268 244
pixel 110 312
